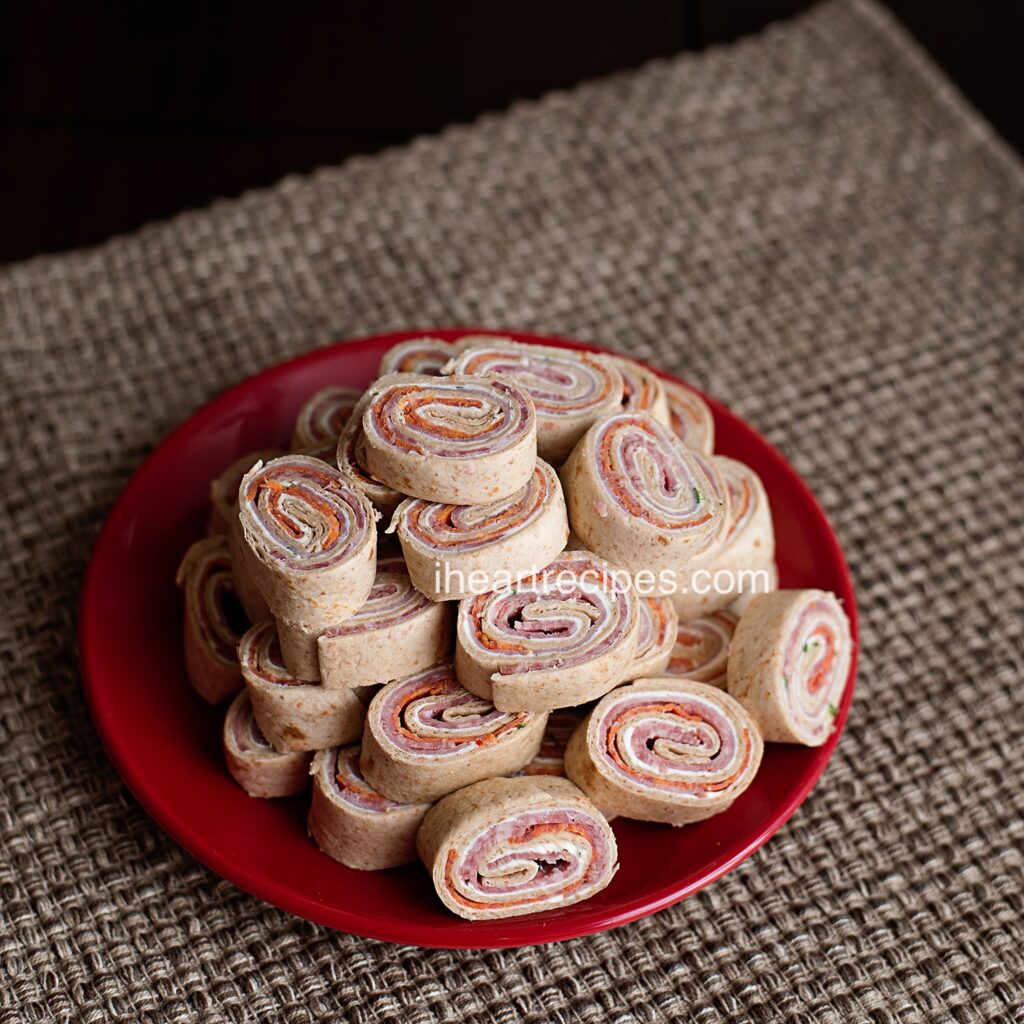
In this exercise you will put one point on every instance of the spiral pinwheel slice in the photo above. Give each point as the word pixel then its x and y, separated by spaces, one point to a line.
pixel 224 488
pixel 644 501
pixel 690 418
pixel 668 750
pixel 570 389
pixel 396 633
pixel 789 662
pixel 550 759
pixel 352 823
pixel 454 551
pixel 321 420
pixel 253 763
pixel 214 620
pixel 456 440
pixel 383 498
pixel 507 847
pixel 556 639
pixel 417 355
pixel 294 714
pixel 701 650
pixel 642 389
pixel 746 558
pixel 311 543
pixel 655 639
pixel 426 736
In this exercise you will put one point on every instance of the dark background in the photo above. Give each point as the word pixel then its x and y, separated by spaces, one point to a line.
pixel 113 116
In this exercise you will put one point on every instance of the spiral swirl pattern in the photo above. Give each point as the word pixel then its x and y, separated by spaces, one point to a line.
pixel 459 440
pixel 302 514
pixel 642 390
pixel 665 750
pixel 793 650
pixel 701 650
pixel 255 765
pixel 570 389
pixel 320 421
pixel 507 847
pixel 393 600
pixel 417 355
pixel 565 634
pixel 259 653
pixel 690 418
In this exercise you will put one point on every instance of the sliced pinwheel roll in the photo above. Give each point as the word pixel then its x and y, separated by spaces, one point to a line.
pixel 701 650
pixel 383 498
pixel 214 620
pixel 254 764
pixel 549 760
pixel 668 750
pixel 642 500
pixel 690 418
pixel 789 662
pixel 321 420
pixel 417 355
pixel 456 440
pixel 507 847
pixel 655 639
pixel 556 639
pixel 396 633
pixel 570 389
pixel 642 390
pixel 426 736
pixel 747 556
pixel 352 823
pixel 224 488
pixel 454 551
pixel 311 543
pixel 294 714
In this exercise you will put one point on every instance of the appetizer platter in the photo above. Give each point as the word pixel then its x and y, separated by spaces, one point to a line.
pixel 468 638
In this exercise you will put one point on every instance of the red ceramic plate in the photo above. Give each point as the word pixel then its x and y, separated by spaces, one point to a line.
pixel 165 741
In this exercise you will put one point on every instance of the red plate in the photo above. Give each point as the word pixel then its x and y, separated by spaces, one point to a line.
pixel 165 741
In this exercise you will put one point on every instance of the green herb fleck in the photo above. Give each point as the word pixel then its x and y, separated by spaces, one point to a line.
pixel 785 680
pixel 697 496
pixel 521 725
pixel 833 710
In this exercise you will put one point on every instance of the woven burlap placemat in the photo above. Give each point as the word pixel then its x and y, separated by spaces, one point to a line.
pixel 811 225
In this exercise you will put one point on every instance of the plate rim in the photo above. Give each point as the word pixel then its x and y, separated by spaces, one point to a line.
pixel 286 898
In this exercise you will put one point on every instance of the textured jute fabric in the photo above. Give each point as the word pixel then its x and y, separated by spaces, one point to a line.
pixel 811 225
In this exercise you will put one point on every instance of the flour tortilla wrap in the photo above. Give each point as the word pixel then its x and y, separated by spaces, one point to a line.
pixel 383 498
pixel 788 664
pixel 491 847
pixel 426 736
pixel 570 389
pixel 292 713
pixel 213 620
pixel 747 551
pixel 417 355
pixel 556 639
pixel 312 547
pixel 454 551
pixel 321 419
pixel 642 389
pixel 701 650
pixel 352 823
pixel 396 633
pixel 224 488
pixel 456 440
pixel 255 765
pixel 655 639
pixel 668 750
pixel 253 602
pixel 643 501
pixel 690 418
